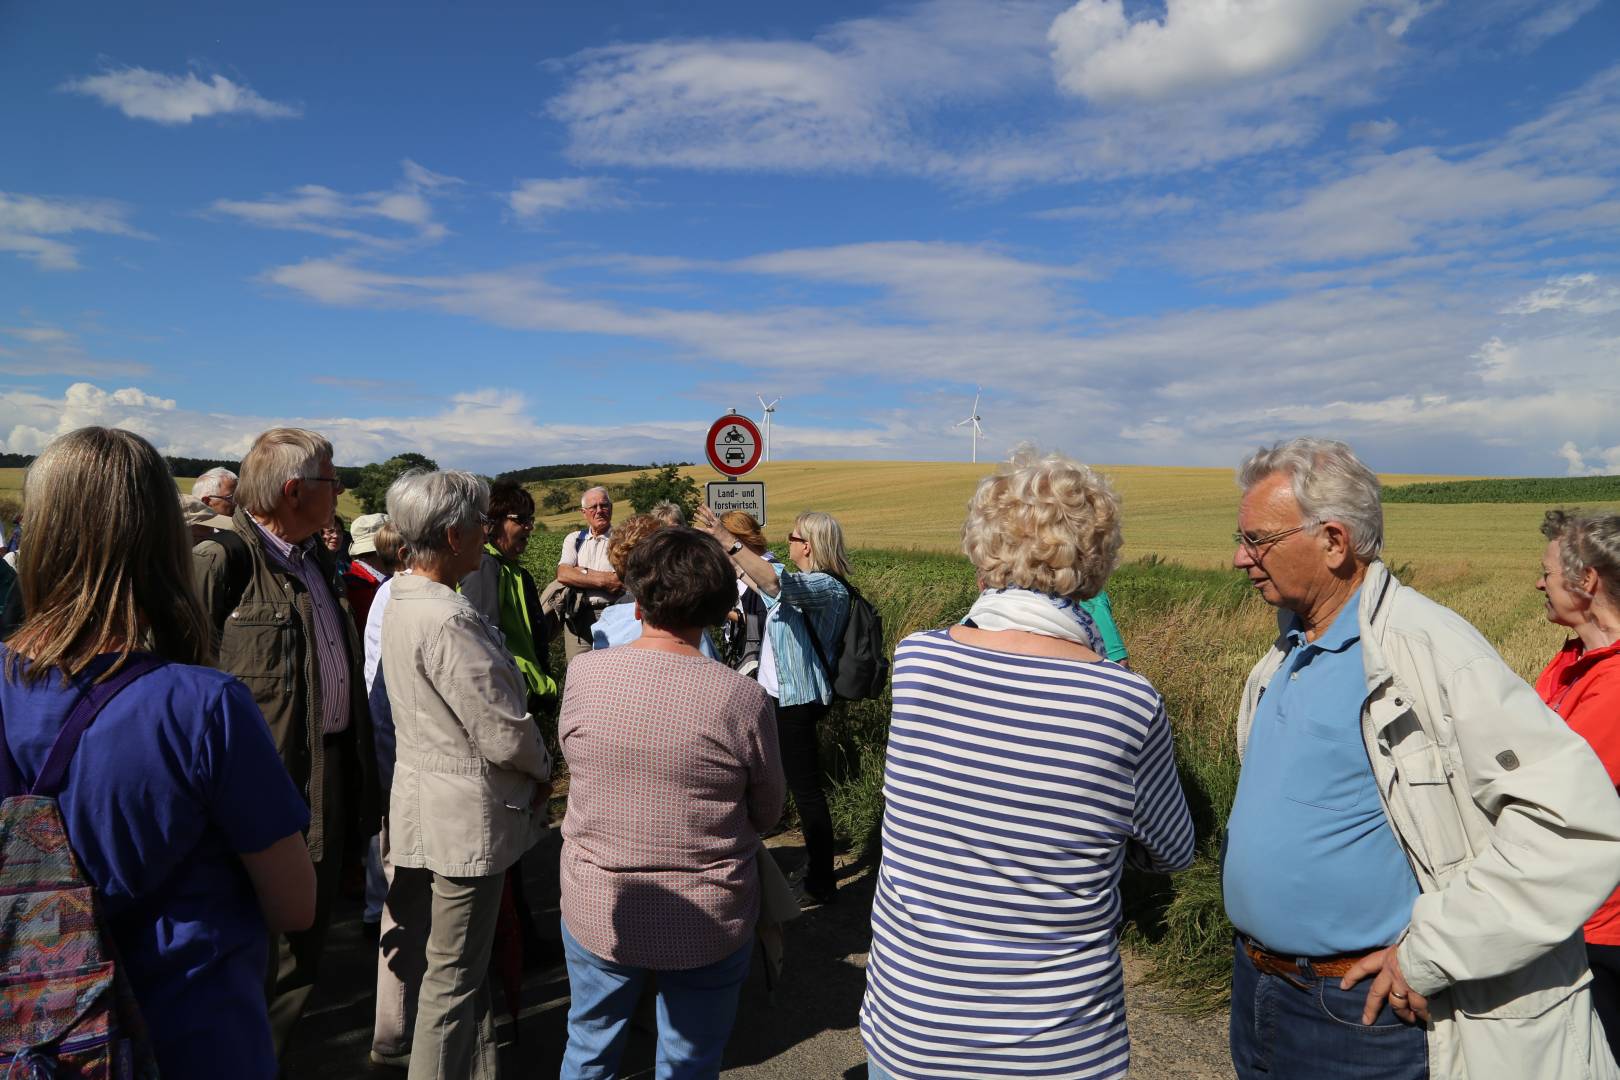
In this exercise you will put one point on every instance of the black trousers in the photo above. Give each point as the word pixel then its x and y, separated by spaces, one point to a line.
pixel 1605 963
pixel 800 741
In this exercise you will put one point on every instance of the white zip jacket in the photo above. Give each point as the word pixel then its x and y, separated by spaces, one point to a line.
pixel 1511 826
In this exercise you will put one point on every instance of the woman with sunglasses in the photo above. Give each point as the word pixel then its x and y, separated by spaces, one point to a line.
pixel 808 611
pixel 504 591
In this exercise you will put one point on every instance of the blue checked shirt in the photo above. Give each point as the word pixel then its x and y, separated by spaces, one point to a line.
pixel 813 602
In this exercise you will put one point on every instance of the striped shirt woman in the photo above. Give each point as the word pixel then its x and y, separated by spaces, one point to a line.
pixel 1015 785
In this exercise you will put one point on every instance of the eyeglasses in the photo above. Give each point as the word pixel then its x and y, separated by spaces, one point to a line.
pixel 597 507
pixel 219 498
pixel 795 538
pixel 1253 544
pixel 524 520
pixel 337 484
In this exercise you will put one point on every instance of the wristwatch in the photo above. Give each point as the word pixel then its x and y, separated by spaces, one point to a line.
pixel 736 546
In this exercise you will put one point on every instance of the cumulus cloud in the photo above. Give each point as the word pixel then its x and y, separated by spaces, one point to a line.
pixel 1590 461
pixel 176 99
pixel 315 208
pixel 537 199
pixel 1099 53
pixel 31 224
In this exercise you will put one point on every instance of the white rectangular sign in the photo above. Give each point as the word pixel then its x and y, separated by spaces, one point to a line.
pixel 721 496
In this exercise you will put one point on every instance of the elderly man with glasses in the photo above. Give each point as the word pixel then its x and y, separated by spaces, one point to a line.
pixel 1416 839
pixel 217 489
pixel 286 631
pixel 585 568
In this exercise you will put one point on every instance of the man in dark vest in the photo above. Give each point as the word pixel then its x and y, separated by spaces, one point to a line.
pixel 285 630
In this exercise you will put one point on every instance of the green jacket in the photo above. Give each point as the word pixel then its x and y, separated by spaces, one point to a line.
pixel 265 641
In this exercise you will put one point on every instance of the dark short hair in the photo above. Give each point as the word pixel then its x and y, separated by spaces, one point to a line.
pixel 509 497
pixel 681 578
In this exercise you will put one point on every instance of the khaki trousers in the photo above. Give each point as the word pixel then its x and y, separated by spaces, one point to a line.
pixel 455 1025
pixel 402 953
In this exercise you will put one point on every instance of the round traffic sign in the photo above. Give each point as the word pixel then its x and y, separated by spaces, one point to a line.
pixel 734 445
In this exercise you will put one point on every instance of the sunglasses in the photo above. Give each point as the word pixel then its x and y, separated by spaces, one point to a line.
pixel 525 520
pixel 795 538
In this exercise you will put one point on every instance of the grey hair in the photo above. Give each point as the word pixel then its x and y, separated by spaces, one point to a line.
pixel 209 483
pixel 1587 541
pixel 276 456
pixel 425 505
pixel 587 494
pixel 669 512
pixel 1330 484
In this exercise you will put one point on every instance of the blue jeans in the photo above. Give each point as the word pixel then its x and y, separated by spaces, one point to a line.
pixel 696 1009
pixel 874 1071
pixel 1306 1028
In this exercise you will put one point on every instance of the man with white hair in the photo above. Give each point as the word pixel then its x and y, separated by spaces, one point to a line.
pixel 217 489
pixel 1408 813
pixel 286 631
pixel 585 568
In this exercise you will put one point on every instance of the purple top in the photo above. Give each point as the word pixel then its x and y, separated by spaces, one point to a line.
pixel 172 783
pixel 331 635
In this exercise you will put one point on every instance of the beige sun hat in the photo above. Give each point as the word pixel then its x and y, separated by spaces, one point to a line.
pixel 363 533
pixel 197 512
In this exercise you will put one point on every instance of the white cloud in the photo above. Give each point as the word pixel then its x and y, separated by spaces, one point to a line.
pixel 176 99
pixel 53 351
pixel 29 225
pixel 1374 132
pixel 1134 207
pixel 1395 204
pixel 1584 294
pixel 1101 54
pixel 1590 461
pixel 1552 17
pixel 537 199
pixel 314 208
pixel 848 99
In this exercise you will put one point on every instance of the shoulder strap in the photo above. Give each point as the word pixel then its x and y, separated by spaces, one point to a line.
pixel 89 705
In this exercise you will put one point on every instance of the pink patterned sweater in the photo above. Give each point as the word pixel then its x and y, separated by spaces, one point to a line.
pixel 673 774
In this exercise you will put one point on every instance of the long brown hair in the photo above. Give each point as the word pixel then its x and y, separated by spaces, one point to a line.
pixel 108 559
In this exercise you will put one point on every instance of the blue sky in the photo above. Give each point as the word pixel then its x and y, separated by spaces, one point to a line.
pixel 1156 232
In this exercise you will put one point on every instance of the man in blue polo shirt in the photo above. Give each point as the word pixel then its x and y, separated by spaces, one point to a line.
pixel 1416 839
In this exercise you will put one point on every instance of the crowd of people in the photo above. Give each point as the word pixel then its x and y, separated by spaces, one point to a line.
pixel 236 697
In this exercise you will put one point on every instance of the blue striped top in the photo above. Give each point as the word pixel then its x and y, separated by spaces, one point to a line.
pixel 1015 787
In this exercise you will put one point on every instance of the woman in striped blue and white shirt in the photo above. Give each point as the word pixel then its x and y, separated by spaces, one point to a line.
pixel 1023 770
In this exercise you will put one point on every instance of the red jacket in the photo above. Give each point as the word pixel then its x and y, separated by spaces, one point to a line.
pixel 1584 688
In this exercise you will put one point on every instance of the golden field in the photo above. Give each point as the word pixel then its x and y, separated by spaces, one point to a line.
pixel 1481 559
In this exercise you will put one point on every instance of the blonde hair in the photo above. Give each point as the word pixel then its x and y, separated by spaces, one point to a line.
pixel 627 535
pixel 276 456
pixel 826 538
pixel 1046 523
pixel 742 525
pixel 108 559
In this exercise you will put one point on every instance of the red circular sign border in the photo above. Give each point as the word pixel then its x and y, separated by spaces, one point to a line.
pixel 714 459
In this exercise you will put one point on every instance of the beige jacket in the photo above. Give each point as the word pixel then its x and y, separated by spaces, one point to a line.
pixel 468 757
pixel 1510 824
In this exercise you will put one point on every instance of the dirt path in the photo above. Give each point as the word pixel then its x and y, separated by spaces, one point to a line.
pixel 807 1029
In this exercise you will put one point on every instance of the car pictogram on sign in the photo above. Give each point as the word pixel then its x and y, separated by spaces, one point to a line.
pixel 735 456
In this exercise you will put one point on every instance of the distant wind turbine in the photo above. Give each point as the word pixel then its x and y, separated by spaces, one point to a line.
pixel 974 419
pixel 769 409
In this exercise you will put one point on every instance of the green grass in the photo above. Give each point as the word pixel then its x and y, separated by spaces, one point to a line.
pixel 1557 489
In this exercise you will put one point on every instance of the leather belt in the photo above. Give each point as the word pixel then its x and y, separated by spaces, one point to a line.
pixel 1296 967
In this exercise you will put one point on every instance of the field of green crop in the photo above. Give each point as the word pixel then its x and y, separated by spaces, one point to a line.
pixel 1562 489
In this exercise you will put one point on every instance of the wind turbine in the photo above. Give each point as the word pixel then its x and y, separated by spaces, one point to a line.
pixel 769 409
pixel 974 419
